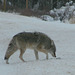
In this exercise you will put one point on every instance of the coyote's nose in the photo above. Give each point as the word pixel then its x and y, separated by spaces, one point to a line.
pixel 54 55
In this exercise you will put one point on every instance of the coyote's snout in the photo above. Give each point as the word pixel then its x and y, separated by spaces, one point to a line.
pixel 37 41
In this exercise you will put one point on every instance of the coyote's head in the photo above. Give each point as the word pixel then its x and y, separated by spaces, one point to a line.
pixel 52 49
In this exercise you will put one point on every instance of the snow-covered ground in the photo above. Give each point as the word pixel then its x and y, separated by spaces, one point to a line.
pixel 62 34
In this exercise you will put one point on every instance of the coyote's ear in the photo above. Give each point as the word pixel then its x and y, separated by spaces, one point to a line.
pixel 52 42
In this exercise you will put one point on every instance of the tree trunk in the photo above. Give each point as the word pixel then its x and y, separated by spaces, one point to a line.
pixel 26 4
pixel 51 4
pixel 4 5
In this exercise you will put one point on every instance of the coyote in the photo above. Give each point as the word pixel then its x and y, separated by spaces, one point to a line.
pixel 34 40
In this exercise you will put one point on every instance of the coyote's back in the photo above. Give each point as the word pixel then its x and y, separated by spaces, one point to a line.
pixel 37 41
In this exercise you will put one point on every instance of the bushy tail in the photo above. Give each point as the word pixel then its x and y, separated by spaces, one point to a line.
pixel 11 49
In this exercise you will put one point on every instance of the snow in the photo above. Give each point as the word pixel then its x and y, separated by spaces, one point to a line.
pixel 46 18
pixel 62 34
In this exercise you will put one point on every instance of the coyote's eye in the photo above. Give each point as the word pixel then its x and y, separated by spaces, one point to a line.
pixel 10 44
